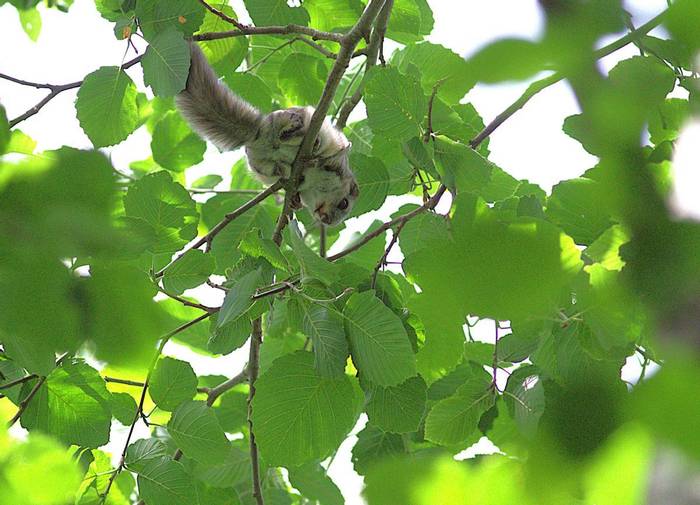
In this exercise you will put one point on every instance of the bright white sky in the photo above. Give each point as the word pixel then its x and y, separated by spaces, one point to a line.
pixel 530 145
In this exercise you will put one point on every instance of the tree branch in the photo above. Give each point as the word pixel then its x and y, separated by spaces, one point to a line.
pixel 139 410
pixel 538 86
pixel 348 42
pixel 382 260
pixel 56 89
pixel 206 239
pixel 222 388
pixel 19 381
pixel 375 42
pixel 223 16
pixel 186 302
pixel 25 402
pixel 253 369
pixel 128 382
pixel 271 30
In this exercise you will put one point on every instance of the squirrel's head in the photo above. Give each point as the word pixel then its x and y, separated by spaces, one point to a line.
pixel 329 189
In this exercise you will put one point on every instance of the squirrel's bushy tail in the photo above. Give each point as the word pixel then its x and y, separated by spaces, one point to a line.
pixel 213 110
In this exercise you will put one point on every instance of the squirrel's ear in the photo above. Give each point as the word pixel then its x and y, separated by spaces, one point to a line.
pixel 354 189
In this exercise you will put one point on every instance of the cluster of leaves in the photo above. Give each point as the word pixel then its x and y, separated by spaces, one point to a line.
pixel 584 277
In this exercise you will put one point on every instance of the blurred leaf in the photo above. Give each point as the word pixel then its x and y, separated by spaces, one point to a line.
pixel 508 60
pixel 667 121
pixel 156 16
pixel 302 420
pixel 30 19
pixel 333 15
pixel 207 181
pixel 410 21
pixel 313 483
pixel 225 55
pixel 175 146
pixel 106 106
pixel 164 481
pixel 606 248
pixel 302 77
pixel 251 88
pixel 275 12
pixel 679 21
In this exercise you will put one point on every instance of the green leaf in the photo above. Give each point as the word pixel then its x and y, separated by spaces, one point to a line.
pixel 658 77
pixel 167 207
pixel 575 206
pixel 461 167
pixel 166 63
pixel 304 419
pixel 333 15
pixel 312 265
pixel 410 21
pixel 680 22
pixel 541 262
pixel 396 104
pixel 106 106
pixel 508 60
pixel 258 247
pixel 142 451
pixel 233 471
pixel 379 344
pixel 666 121
pixel 123 408
pixel 225 55
pixel 30 19
pixel 275 12
pixel 191 270
pixel 325 328
pixel 397 409
pixel 165 482
pixel 251 88
pixel 38 472
pixel 197 432
pixel 156 16
pixel 373 181
pixel 175 146
pixel 302 78
pixel 172 383
pixel 207 181
pixel 73 405
pixel 606 248
pixel 239 297
pixel 313 483
pixel 4 130
pixel 439 67
pixel 374 445
pixel 20 143
pixel 418 232
pixel 452 420
pixel 229 337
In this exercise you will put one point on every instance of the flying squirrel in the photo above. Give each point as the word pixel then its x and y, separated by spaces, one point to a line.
pixel 328 188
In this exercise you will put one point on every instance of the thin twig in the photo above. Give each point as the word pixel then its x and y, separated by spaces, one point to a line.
pixel 223 16
pixel 225 191
pixel 348 43
pixel 139 410
pixel 382 260
pixel 225 386
pixel 206 239
pixel 25 402
pixel 271 30
pixel 322 240
pixel 538 86
pixel 56 89
pixel 19 381
pixel 253 369
pixel 186 302
pixel 129 382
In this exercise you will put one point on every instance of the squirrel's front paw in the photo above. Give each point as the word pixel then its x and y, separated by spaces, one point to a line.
pixel 294 126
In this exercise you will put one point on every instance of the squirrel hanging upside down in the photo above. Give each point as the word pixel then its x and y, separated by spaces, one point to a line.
pixel 328 188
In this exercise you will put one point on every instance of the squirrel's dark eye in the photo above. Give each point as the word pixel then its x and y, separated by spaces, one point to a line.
pixel 343 204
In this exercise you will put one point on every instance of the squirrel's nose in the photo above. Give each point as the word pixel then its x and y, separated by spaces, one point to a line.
pixel 326 218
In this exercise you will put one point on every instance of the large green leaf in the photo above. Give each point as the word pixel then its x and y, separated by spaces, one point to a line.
pixel 164 481
pixel 106 106
pixel 508 59
pixel 166 63
pixel 379 344
pixel 197 432
pixel 190 271
pixel 312 265
pixel 234 470
pixel 496 269
pixel 397 409
pixel 325 328
pixel 373 180
pixel 142 451
pixel 439 67
pixel 374 445
pixel 332 15
pixel 302 78
pixel 396 104
pixel 410 20
pixel 173 382
pixel 38 471
pixel 73 405
pixel 239 297
pixel 298 415
pixel 225 55
pixel 175 146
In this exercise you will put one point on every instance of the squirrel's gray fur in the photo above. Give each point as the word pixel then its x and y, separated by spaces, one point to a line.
pixel 328 188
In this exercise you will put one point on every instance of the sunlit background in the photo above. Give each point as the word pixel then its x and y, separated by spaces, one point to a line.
pixel 530 145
